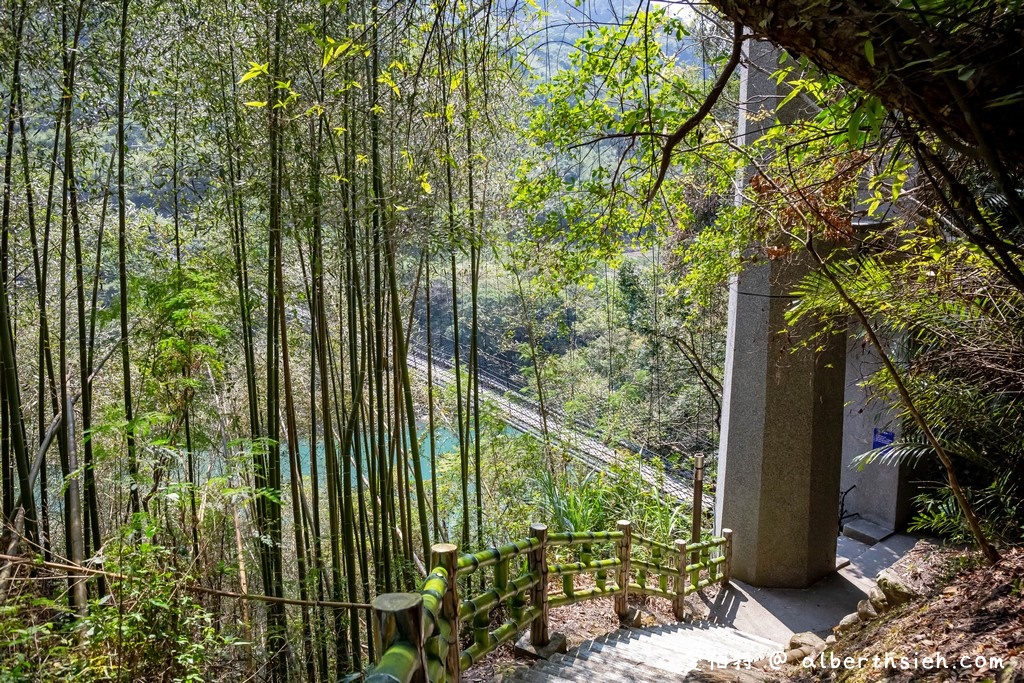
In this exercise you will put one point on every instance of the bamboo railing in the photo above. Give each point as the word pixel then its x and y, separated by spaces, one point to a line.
pixel 417 634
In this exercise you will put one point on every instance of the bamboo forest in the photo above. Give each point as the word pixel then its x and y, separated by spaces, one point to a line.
pixel 297 297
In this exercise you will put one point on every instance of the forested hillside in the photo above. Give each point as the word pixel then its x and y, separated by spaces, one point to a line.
pixel 229 226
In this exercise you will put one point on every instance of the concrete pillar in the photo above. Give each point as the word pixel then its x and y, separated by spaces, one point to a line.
pixel 782 414
pixel 879 493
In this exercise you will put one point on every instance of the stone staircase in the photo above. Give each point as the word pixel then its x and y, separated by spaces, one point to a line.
pixel 663 653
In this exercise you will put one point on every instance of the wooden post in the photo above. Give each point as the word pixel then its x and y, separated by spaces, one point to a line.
pixel 698 499
pixel 623 549
pixel 697 513
pixel 727 570
pixel 398 618
pixel 446 555
pixel 679 604
pixel 539 564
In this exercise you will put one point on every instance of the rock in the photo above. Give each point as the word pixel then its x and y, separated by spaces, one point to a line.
pixel 831 640
pixel 509 674
pixel 646 620
pixel 805 639
pixel 706 673
pixel 847 624
pixel 1012 671
pixel 633 618
pixel 866 611
pixel 557 644
pixel 878 601
pixel 895 591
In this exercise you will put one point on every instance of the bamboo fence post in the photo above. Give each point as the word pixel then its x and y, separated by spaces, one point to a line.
pixel 705 560
pixel 481 626
pixel 517 604
pixel 398 617
pixel 587 555
pixel 696 513
pixel 698 499
pixel 501 575
pixel 568 587
pixel 624 547
pixel 445 555
pixel 539 564
pixel 727 565
pixel 695 572
pixel 679 604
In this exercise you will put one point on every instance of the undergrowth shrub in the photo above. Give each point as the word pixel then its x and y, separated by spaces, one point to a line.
pixel 146 628
pixel 582 500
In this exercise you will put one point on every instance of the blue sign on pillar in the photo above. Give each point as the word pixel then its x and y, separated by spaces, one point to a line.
pixel 882 438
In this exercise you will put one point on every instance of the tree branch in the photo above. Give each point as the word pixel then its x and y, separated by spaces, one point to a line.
pixel 683 130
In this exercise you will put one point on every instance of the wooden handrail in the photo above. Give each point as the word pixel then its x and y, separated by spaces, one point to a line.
pixel 419 632
pixel 438 656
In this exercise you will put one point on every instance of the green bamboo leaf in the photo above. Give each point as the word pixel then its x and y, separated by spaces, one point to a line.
pixel 256 70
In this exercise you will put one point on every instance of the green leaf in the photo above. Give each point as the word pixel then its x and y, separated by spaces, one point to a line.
pixel 256 70
pixel 869 52
pixel 798 87
pixel 853 134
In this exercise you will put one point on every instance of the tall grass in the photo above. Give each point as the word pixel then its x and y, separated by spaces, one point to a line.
pixel 582 500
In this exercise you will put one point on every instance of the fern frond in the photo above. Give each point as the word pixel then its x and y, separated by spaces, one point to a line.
pixel 903 452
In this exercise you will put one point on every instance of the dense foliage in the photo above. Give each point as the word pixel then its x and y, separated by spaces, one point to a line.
pixel 267 270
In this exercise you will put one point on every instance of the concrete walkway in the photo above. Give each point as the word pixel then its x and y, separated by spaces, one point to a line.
pixel 777 613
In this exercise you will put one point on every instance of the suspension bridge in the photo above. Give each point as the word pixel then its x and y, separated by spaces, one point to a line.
pixel 525 415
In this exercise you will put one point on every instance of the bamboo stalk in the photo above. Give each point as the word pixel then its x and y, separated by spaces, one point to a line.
pixel 398 637
pixel 486 600
pixel 592 566
pixel 507 631
pixel 679 579
pixel 583 596
pixel 470 563
pixel 586 537
pixel 63 566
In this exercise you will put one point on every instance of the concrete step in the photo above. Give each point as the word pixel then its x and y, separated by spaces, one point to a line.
pixel 672 663
pixel 655 657
pixel 714 643
pixel 866 532
pixel 611 669
pixel 536 674
pixel 659 654
pixel 716 633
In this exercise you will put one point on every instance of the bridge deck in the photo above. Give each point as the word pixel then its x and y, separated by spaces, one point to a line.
pixel 586 449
